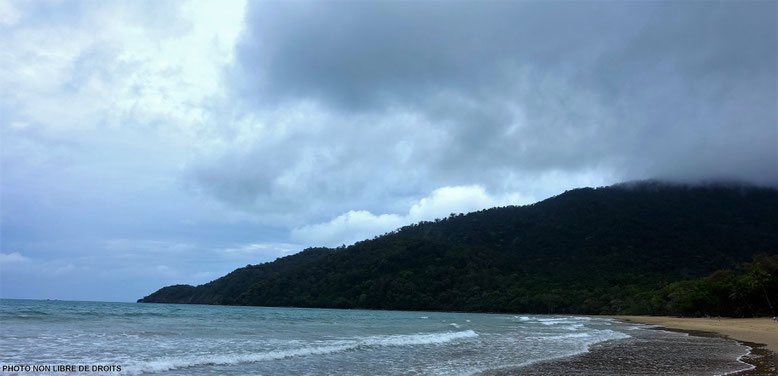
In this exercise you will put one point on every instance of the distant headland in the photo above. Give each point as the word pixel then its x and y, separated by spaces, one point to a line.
pixel 638 248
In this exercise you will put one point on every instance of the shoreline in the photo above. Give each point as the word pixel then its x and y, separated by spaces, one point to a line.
pixel 759 334
pixel 762 330
pixel 657 350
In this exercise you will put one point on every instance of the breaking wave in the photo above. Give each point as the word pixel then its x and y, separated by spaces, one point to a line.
pixel 171 363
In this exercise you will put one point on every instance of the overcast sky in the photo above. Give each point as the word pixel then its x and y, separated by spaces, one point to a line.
pixel 150 143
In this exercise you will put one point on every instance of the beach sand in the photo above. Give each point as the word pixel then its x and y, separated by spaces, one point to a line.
pixel 761 334
pixel 657 351
pixel 757 330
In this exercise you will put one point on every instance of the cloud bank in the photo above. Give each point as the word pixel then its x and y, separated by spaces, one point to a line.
pixel 353 226
pixel 159 141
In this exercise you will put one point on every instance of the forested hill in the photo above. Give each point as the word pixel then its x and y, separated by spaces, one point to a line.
pixel 604 250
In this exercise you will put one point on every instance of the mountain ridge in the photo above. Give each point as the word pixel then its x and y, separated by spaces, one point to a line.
pixel 587 250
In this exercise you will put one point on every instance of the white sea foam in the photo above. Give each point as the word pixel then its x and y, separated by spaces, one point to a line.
pixel 583 340
pixel 557 320
pixel 416 339
pixel 560 337
pixel 740 359
pixel 642 326
pixel 570 335
pixel 170 363
pixel 554 322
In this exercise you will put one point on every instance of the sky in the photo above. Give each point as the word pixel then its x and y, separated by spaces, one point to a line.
pixel 150 143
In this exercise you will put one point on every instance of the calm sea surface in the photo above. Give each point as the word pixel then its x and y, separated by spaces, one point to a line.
pixel 168 339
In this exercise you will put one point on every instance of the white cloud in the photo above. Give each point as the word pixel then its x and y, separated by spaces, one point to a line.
pixel 347 228
pixel 9 15
pixel 154 63
pixel 462 199
pixel 253 249
pixel 12 258
pixel 357 225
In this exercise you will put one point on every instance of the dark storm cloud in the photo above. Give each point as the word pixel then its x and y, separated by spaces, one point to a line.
pixel 633 90
pixel 358 54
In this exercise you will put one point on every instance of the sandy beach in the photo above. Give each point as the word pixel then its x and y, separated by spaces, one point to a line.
pixel 664 350
pixel 757 330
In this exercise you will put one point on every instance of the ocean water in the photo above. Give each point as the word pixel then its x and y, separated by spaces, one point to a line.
pixel 164 339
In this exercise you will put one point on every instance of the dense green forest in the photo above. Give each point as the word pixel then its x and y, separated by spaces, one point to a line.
pixel 639 248
pixel 749 290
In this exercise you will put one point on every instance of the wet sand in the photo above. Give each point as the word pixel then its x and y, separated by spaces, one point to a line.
pixel 758 330
pixel 666 351
pixel 761 334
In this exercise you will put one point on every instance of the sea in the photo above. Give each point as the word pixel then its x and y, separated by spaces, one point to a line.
pixel 46 337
